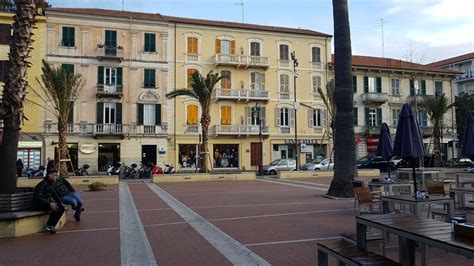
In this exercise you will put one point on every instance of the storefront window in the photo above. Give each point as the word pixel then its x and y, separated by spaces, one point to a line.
pixel 188 156
pixel 226 156
pixel 31 158
pixel 109 154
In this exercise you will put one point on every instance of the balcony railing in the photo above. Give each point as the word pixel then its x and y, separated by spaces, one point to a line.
pixel 108 129
pixel 110 53
pixel 81 128
pixel 240 94
pixel 374 97
pixel 192 129
pixel 467 75
pixel 257 61
pixel 284 95
pixel 239 130
pixel 372 130
pixel 230 59
pixel 285 130
pixel 427 131
pixel 146 130
pixel 105 90
pixel 192 57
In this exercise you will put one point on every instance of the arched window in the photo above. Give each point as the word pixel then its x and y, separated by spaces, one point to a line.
pixel 192 114
pixel 192 45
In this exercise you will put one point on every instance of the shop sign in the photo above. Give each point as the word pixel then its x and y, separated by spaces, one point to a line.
pixel 306 148
pixel 301 141
pixel 372 140
pixel 87 148
pixel 30 144
pixel 161 150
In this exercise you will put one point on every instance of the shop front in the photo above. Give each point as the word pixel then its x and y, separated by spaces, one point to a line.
pixel 109 154
pixel 309 149
pixel 29 151
pixel 372 144
pixel 188 157
pixel 226 156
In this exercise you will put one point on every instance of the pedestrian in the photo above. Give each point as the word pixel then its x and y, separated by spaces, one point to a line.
pixel 49 165
pixel 19 167
pixel 69 196
pixel 45 198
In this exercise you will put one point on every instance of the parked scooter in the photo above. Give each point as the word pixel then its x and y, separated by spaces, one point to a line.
pixel 131 171
pixel 145 171
pixel 40 172
pixel 113 169
pixel 169 169
pixel 83 170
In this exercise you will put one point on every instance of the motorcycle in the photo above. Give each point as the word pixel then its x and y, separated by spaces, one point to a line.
pixel 145 171
pixel 83 170
pixel 113 169
pixel 131 171
pixel 40 172
pixel 169 169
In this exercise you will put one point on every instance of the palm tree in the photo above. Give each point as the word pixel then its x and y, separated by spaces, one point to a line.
pixel 436 107
pixel 344 144
pixel 14 91
pixel 59 90
pixel 202 92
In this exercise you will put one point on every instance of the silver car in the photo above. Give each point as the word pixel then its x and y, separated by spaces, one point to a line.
pixel 279 165
pixel 324 165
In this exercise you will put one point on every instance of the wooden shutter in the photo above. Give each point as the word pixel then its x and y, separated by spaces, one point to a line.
pixel 379 116
pixel 354 83
pixel 356 116
pixel 263 115
pixel 70 116
pixel 100 113
pixel 366 84
pixel 412 87
pixel 192 112
pixel 423 87
pixel 262 80
pixel 367 117
pixel 310 117
pixel 119 76
pixel 190 72
pixel 291 115
pixel 218 46
pixel 277 117
pixel 232 47
pixel 379 84
pixel 323 118
pixel 118 107
pixel 226 115
pixel 157 114
pixel 140 114
pixel 248 115
pixel 190 45
pixel 100 75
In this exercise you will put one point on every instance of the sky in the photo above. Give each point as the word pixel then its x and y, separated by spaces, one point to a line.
pixel 421 31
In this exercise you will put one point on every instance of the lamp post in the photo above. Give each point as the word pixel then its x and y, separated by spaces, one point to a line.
pixel 295 106
pixel 256 113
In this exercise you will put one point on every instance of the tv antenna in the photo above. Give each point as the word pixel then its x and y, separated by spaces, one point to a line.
pixel 123 5
pixel 381 23
pixel 242 5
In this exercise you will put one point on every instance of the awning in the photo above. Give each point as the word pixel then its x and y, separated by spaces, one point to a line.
pixel 28 140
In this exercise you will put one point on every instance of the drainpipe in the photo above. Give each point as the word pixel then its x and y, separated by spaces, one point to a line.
pixel 174 99
pixel 130 64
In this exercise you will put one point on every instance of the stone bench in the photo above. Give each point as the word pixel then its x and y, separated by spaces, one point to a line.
pixel 22 223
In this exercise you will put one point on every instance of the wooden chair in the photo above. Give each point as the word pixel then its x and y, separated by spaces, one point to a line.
pixel 434 188
pixel 364 197
pixel 356 184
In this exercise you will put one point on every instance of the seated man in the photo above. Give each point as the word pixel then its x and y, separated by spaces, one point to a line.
pixel 45 198
pixel 69 196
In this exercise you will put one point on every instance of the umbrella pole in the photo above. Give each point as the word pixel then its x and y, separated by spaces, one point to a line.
pixel 388 169
pixel 414 175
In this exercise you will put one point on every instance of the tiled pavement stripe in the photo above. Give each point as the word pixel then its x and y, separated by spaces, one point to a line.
pixel 265 204
pixel 135 249
pixel 306 183
pixel 294 185
pixel 235 192
pixel 291 241
pixel 234 251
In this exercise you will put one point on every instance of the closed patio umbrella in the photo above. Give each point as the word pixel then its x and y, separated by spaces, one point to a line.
pixel 385 148
pixel 408 139
pixel 468 145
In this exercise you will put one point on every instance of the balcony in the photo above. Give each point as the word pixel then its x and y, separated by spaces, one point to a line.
pixel 192 129
pixel 257 61
pixel 110 53
pixel 285 130
pixel 148 130
pixel 239 130
pixel 230 60
pixel 468 75
pixel 419 99
pixel 192 57
pixel 241 94
pixel 372 130
pixel 109 91
pixel 72 129
pixel 427 131
pixel 109 130
pixel 374 97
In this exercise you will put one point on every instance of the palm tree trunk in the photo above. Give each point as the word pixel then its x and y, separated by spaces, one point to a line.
pixel 205 121
pixel 15 91
pixel 344 139
pixel 438 160
pixel 62 132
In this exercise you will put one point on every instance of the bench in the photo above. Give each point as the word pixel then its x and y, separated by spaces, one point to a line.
pixel 22 223
pixel 349 254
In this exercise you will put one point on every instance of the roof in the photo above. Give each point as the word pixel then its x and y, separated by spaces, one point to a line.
pixel 452 60
pixel 397 64
pixel 203 22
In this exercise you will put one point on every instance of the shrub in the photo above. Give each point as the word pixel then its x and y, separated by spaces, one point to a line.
pixel 97 186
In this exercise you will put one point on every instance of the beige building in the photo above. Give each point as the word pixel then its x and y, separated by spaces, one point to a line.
pixel 121 113
pixel 464 64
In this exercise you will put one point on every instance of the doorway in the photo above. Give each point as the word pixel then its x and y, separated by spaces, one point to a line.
pixel 109 155
pixel 255 154
pixel 149 154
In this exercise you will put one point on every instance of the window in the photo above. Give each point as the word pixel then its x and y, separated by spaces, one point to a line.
pixel 255 121
pixel 284 117
pixel 69 39
pixel 284 86
pixel 149 78
pixel 192 45
pixel 257 81
pixel 395 114
pixel 150 43
pixel 5 33
pixel 149 114
pixel 225 47
pixel 226 115
pixel 192 114
pixel 226 79
pixel 188 156
pixel 373 117
pixel 422 116
pixel 418 87
pixel 438 88
pixel 356 116
pixel 3 70
pixel 109 75
pixel 395 86
pixel 284 52
pixel 67 68
pixel 316 55
pixel 189 74
pixel 316 84
pixel 372 84
pixel 110 38
pixel 354 83
pixel 255 49
pixel 226 155
pixel 316 118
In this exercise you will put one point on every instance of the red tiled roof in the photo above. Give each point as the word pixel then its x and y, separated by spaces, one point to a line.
pixel 452 60
pixel 159 17
pixel 390 63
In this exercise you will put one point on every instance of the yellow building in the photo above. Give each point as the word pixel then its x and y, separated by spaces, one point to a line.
pixel 257 71
pixel 30 144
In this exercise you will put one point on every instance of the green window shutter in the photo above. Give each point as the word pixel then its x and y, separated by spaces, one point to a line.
pixel 157 114
pixel 379 85
pixel 70 117
pixel 110 38
pixel 366 84
pixel 423 87
pixel 150 42
pixel 68 36
pixel 118 107
pixel 424 119
pixel 354 83
pixel 140 114
pixel 65 39
pixel 149 78
pixel 412 88
pixel 100 75
pixel 356 117
pixel 67 68
pixel 100 113
pixel 379 116
pixel 366 110
pixel 119 76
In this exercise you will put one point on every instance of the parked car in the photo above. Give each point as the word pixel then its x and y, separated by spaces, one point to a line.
pixel 279 165
pixel 461 162
pixel 310 166
pixel 324 165
pixel 396 160
pixel 374 162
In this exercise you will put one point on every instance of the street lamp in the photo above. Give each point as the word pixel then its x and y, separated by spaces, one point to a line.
pixel 256 113
pixel 295 105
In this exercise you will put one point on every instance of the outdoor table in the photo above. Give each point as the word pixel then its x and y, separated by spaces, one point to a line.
pixel 411 230
pixel 419 172
pixel 461 183
pixel 461 192
pixel 417 204
pixel 389 187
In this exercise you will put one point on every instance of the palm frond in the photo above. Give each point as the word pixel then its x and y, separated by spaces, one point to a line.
pixel 181 92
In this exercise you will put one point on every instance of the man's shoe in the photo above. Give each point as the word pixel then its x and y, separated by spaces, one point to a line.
pixel 77 216
pixel 50 229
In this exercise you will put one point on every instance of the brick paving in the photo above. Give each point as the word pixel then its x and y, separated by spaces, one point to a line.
pixel 280 223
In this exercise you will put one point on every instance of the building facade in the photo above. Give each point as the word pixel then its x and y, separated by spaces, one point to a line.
pixel 464 64
pixel 121 113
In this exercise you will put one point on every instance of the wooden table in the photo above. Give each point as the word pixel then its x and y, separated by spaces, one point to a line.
pixel 463 182
pixel 417 204
pixel 388 187
pixel 421 175
pixel 461 192
pixel 411 230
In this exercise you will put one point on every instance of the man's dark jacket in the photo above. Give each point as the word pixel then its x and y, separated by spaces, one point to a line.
pixel 63 187
pixel 45 194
